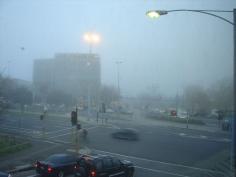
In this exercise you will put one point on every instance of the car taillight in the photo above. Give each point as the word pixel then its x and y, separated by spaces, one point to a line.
pixel 92 173
pixel 76 166
pixel 49 169
pixel 36 164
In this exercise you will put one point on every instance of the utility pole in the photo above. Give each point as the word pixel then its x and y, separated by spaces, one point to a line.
pixel 118 75
pixel 118 84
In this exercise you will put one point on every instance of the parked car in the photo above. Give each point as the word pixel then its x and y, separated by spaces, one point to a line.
pixel 57 165
pixel 126 133
pixel 103 166
pixel 2 174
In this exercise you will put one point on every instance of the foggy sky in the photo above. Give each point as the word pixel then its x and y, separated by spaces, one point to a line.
pixel 169 53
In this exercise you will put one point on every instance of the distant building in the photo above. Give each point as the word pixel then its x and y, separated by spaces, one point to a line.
pixel 78 75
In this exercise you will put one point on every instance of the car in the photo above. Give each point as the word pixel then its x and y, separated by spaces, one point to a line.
pixel 57 165
pixel 126 133
pixel 182 115
pixel 227 124
pixel 2 174
pixel 98 165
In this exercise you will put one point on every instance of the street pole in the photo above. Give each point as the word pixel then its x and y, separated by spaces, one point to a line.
pixel 90 48
pixel 118 76
pixel 157 13
pixel 234 122
pixel 187 119
pixel 88 99
pixel 118 84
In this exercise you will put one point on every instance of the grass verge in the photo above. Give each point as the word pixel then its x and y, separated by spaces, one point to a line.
pixel 9 144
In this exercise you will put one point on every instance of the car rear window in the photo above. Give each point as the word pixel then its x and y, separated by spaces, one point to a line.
pixel 116 162
pixel 61 159
pixel 107 162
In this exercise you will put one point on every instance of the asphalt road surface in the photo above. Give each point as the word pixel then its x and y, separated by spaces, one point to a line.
pixel 161 151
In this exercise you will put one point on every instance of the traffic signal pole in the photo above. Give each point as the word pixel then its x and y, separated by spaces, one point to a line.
pixel 76 132
pixel 233 156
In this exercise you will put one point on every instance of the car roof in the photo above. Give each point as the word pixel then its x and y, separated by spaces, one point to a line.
pixel 61 155
pixel 130 130
pixel 3 174
pixel 95 156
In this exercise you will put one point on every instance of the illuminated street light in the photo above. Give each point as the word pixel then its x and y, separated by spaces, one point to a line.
pixel 156 13
pixel 91 39
pixel 153 14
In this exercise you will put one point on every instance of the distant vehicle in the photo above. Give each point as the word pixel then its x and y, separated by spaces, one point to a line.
pixel 2 174
pixel 58 165
pixel 182 115
pixel 103 166
pixel 83 133
pixel 227 124
pixel 109 111
pixel 126 133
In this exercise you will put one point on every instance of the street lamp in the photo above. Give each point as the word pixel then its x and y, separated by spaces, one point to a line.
pixel 118 75
pixel 91 39
pixel 153 14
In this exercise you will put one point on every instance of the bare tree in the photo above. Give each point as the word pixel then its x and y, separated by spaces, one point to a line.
pixel 221 94
pixel 196 100
pixel 109 94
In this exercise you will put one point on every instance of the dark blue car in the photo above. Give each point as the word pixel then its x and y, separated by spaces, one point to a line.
pixel 58 165
pixel 4 175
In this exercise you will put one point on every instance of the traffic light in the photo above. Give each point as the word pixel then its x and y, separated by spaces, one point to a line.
pixel 74 118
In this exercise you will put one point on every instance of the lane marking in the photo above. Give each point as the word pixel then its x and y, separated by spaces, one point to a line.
pixel 70 132
pixel 160 171
pixel 156 161
pixel 182 134
pixel 56 131
pixel 14 127
pixel 60 135
pixel 202 136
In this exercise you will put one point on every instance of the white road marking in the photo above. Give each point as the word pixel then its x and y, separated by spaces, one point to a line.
pixel 50 142
pixel 161 171
pixel 14 127
pixel 202 136
pixel 70 133
pixel 156 161
pixel 61 141
pixel 182 134
pixel 91 127
pixel 56 131
pixel 60 135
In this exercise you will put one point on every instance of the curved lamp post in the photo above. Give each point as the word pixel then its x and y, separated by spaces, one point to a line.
pixel 153 14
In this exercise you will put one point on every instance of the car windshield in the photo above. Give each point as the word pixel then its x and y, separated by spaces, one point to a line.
pixel 149 82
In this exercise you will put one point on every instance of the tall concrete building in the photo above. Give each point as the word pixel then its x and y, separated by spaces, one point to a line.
pixel 78 75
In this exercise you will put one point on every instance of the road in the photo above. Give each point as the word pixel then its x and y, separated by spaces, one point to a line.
pixel 161 151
